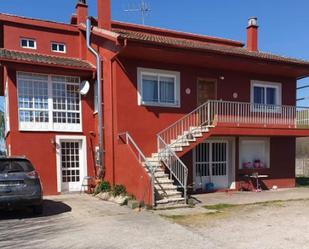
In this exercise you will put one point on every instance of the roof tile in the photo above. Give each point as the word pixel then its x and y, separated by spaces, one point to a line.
pixel 8 55
pixel 205 46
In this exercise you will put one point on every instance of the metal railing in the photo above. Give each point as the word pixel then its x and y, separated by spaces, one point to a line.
pixel 242 114
pixel 176 167
pixel 189 123
pixel 141 159
pixel 217 112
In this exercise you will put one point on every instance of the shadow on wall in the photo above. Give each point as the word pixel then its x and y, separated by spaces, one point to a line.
pixel 51 208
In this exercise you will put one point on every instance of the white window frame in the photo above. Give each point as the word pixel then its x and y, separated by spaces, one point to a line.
pixel 163 73
pixel 28 39
pixel 266 107
pixel 83 158
pixel 50 125
pixel 58 51
pixel 267 84
pixel 265 140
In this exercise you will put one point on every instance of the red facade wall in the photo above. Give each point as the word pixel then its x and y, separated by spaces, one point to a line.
pixel 43 37
pixel 130 173
pixel 38 146
pixel 282 165
pixel 144 122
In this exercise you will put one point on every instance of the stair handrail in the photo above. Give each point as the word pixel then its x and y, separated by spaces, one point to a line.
pixel 141 159
pixel 191 122
pixel 175 165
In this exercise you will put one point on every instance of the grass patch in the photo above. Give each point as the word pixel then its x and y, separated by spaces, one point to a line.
pixel 302 182
pixel 174 217
pixel 223 211
pixel 220 206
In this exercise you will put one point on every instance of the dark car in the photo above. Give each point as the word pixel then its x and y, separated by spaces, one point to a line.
pixel 20 185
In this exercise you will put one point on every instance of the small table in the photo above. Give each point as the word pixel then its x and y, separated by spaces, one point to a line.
pixel 257 177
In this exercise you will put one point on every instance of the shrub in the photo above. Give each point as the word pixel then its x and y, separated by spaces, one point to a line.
pixel 103 186
pixel 118 190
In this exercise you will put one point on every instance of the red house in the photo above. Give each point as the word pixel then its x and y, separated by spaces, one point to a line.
pixel 167 112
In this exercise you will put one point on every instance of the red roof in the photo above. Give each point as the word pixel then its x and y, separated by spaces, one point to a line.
pixel 48 60
pixel 201 43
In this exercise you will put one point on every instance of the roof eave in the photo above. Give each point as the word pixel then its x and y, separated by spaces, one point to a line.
pixel 239 55
pixel 5 60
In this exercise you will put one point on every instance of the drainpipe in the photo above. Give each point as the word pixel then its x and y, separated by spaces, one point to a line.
pixel 100 118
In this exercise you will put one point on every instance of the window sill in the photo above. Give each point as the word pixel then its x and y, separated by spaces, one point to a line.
pixel 46 128
pixel 153 104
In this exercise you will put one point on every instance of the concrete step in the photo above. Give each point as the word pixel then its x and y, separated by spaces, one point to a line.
pixel 152 160
pixel 166 186
pixel 171 206
pixel 170 193
pixel 186 138
pixel 177 149
pixel 170 201
pixel 152 163
pixel 155 155
pixel 178 143
pixel 162 181
pixel 199 129
pixel 161 174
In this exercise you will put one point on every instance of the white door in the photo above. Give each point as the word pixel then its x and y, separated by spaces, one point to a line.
pixel 211 164
pixel 71 163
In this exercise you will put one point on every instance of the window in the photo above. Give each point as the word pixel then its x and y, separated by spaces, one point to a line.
pixel 28 43
pixel 58 47
pixel 158 87
pixel 265 93
pixel 254 153
pixel 48 102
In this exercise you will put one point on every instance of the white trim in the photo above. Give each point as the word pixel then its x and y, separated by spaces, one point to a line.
pixel 230 160
pixel 28 39
pixel 265 84
pixel 266 140
pixel 58 51
pixel 158 72
pixel 83 170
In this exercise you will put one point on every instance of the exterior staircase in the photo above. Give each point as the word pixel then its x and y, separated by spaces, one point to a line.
pixel 171 188
pixel 165 168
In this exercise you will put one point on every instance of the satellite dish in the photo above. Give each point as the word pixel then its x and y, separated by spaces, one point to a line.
pixel 84 87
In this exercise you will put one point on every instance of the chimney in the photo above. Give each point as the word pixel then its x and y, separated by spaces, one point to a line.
pixel 252 34
pixel 104 14
pixel 81 11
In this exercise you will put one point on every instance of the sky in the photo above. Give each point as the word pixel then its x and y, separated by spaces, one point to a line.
pixel 283 24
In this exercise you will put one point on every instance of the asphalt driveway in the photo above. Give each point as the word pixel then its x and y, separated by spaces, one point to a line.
pixel 81 221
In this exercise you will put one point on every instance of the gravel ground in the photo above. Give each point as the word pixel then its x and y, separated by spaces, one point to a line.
pixel 81 221
pixel 273 225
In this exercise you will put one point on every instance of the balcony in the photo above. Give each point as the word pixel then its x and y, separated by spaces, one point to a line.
pixel 237 118
pixel 240 114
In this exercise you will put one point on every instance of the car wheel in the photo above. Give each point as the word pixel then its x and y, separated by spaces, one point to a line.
pixel 37 210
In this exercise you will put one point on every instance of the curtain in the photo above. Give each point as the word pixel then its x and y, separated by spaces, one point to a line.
pixel 259 95
pixel 150 88
pixel 270 96
pixel 167 89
